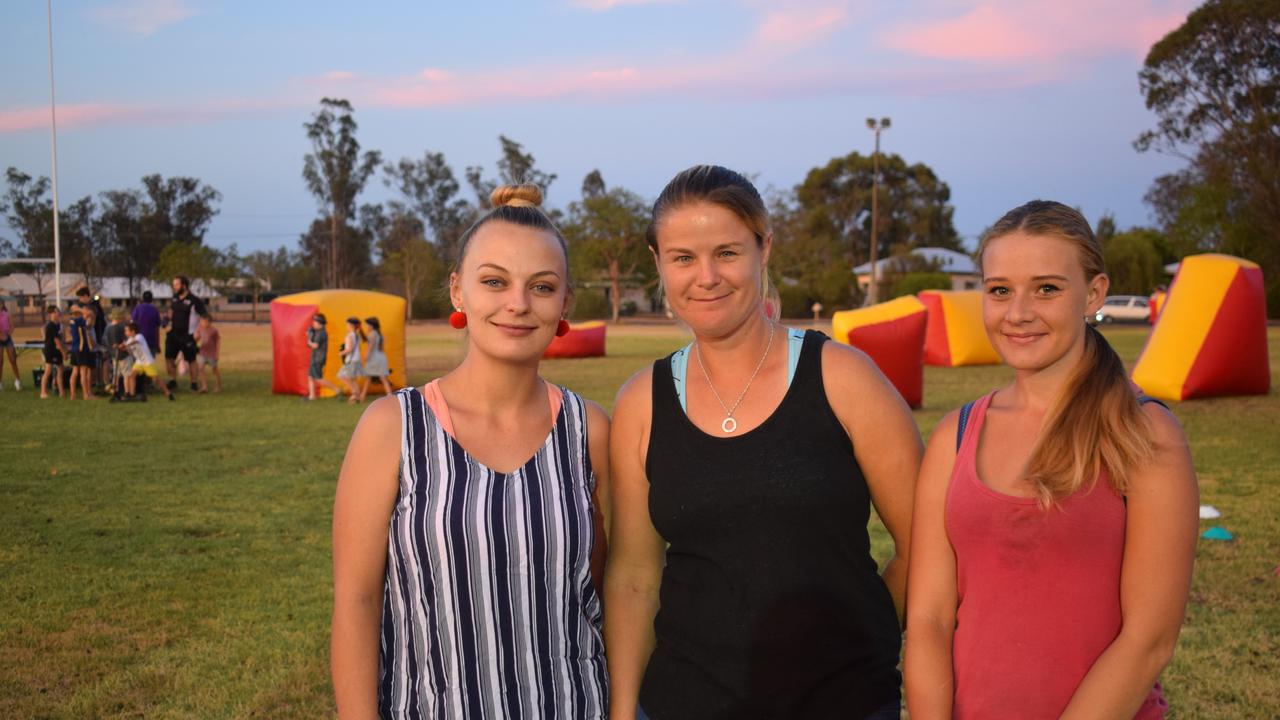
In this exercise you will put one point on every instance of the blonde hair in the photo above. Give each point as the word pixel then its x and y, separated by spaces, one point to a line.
pixel 518 205
pixel 1096 422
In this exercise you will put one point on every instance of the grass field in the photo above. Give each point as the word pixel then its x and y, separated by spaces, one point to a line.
pixel 171 560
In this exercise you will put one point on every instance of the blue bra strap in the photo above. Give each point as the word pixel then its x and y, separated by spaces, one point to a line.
pixel 964 421
pixel 680 364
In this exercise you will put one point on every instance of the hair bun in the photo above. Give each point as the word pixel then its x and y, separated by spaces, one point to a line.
pixel 525 195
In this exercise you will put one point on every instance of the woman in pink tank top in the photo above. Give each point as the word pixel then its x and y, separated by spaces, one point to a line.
pixel 1056 518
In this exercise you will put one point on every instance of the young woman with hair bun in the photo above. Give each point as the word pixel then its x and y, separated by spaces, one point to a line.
pixel 1056 517
pixel 467 515
pixel 740 581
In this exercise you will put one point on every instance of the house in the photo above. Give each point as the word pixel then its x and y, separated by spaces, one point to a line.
pixel 31 292
pixel 960 266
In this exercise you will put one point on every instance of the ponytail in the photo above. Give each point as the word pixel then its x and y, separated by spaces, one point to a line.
pixel 1096 424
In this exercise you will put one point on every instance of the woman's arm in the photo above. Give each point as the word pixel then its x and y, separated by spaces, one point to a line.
pixel 1159 551
pixel 636 551
pixel 885 441
pixel 931 584
pixel 366 493
pixel 598 450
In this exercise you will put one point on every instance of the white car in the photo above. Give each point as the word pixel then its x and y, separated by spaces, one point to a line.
pixel 1123 308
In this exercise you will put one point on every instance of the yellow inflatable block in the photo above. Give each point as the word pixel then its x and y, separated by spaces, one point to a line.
pixel 291 316
pixel 955 335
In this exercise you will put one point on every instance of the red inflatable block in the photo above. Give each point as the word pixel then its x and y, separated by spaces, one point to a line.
pixel 290 359
pixel 892 334
pixel 583 340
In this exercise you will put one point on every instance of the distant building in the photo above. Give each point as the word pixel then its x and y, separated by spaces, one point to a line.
pixel 960 266
pixel 27 293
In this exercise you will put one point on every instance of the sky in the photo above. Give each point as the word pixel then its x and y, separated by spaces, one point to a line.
pixel 1007 100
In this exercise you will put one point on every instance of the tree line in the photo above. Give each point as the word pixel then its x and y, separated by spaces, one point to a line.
pixel 1213 85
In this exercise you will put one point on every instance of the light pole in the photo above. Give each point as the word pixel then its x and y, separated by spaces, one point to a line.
pixel 873 291
pixel 53 130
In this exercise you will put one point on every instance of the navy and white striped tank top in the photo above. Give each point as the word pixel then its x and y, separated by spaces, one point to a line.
pixel 489 610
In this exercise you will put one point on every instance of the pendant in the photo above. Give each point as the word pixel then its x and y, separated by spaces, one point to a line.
pixel 729 425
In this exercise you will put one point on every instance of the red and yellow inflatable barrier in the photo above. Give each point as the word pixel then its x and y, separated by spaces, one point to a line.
pixel 1211 334
pixel 892 334
pixel 583 340
pixel 955 335
pixel 1155 304
pixel 291 317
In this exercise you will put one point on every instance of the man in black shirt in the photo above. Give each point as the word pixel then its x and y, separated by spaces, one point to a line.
pixel 179 339
pixel 85 298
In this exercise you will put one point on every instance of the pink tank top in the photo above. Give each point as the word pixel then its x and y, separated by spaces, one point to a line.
pixel 1038 592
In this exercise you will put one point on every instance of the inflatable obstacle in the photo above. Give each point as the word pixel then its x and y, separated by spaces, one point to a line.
pixel 892 334
pixel 1211 334
pixel 583 340
pixel 955 335
pixel 291 318
pixel 1154 305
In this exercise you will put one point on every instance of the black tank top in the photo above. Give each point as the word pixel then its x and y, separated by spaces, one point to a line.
pixel 771 605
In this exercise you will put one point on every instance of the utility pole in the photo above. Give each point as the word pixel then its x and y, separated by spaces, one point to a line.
pixel 873 291
pixel 53 127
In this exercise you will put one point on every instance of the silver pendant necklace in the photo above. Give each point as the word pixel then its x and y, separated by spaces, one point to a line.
pixel 729 426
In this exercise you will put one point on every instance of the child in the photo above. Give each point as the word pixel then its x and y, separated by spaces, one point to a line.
pixel 375 361
pixel 352 369
pixel 318 341
pixel 84 353
pixel 54 347
pixel 115 355
pixel 209 340
pixel 144 363
pixel 7 348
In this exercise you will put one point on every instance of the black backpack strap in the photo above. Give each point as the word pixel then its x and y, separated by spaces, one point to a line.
pixel 964 421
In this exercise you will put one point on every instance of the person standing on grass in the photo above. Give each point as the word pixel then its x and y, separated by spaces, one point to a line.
pixel 352 369
pixel 144 363
pixel 1056 517
pixel 740 582
pixel 318 341
pixel 467 516
pixel 209 342
pixel 7 348
pixel 147 317
pixel 114 354
pixel 180 340
pixel 375 360
pixel 55 347
pixel 84 353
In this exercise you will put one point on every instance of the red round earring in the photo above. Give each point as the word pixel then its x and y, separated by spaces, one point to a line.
pixel 458 319
pixel 563 328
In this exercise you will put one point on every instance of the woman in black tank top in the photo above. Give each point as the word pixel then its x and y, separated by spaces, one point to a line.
pixel 740 582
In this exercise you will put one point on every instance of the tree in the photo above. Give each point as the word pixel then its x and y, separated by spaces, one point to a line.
pixel 409 263
pixel 354 248
pixel 1105 228
pixel 514 167
pixel 430 189
pixel 336 173
pixel 1133 261
pixel 196 261
pixel 606 231
pixel 822 228
pixel 28 210
pixel 1214 85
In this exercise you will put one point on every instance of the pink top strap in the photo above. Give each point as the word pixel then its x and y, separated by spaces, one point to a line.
pixel 435 401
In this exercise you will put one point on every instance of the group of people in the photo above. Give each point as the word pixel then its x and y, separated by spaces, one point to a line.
pixel 358 369
pixel 105 349
pixel 504 549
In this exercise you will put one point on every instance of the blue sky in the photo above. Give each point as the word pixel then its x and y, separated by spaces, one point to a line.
pixel 1006 99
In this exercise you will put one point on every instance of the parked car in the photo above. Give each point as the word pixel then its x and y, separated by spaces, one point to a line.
pixel 1123 308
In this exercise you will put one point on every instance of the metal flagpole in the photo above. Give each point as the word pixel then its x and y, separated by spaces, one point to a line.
pixel 53 128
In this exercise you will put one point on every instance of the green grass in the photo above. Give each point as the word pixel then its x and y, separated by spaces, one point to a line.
pixel 171 560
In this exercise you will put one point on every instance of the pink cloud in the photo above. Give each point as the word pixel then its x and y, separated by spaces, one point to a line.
pixel 339 75
pixel 95 114
pixel 602 5
pixel 799 26
pixel 1020 30
pixel 142 17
